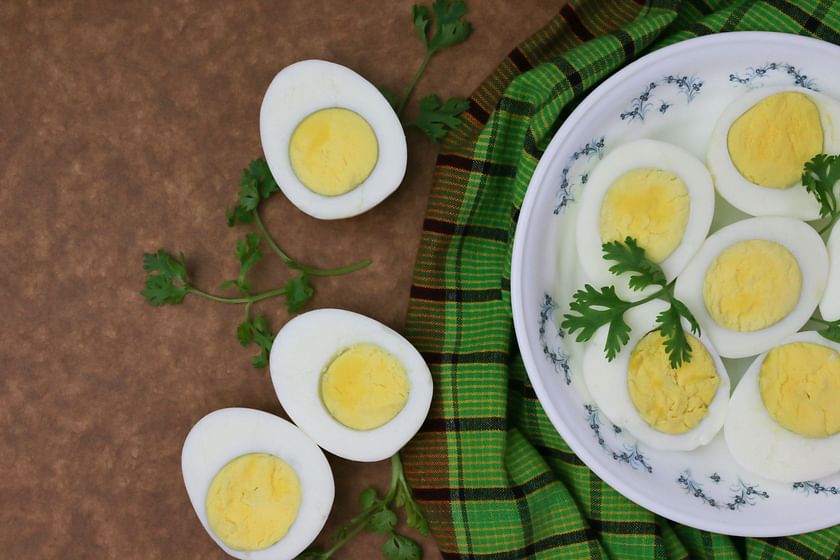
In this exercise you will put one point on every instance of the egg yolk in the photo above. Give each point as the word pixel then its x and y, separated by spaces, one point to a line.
pixel 649 205
pixel 800 387
pixel 252 501
pixel 671 400
pixel 333 151
pixel 364 387
pixel 751 285
pixel 771 142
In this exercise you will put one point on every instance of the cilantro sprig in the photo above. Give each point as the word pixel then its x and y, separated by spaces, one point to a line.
pixel 168 281
pixel 435 118
pixel 378 516
pixel 819 177
pixel 592 308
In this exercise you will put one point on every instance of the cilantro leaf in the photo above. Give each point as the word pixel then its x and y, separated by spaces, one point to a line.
pixel 257 184
pixel 398 547
pixel 819 177
pixel 591 309
pixel 670 326
pixel 166 280
pixel 629 257
pixel 435 120
pixel 420 15
pixel 450 29
pixel 368 498
pixel 832 331
pixel 298 292
pixel 383 522
pixel 416 519
pixel 248 254
pixel 256 330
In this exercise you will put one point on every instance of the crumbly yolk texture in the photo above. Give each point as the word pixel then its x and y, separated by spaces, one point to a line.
pixel 671 400
pixel 650 205
pixel 333 151
pixel 751 285
pixel 252 501
pixel 771 142
pixel 364 387
pixel 800 386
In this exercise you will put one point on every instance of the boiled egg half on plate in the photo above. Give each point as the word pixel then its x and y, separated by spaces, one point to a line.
pixel 760 144
pixel 331 139
pixel 754 283
pixel 655 192
pixel 666 408
pixel 784 418
pixel 260 487
pixel 830 304
pixel 356 387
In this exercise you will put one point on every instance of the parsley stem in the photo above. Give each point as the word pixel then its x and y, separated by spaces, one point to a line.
pixel 239 300
pixel 413 84
pixel 830 223
pixel 310 270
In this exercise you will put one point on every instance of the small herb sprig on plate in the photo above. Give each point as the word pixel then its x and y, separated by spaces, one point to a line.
pixel 820 177
pixel 168 282
pixel 593 308
pixel 378 516
pixel 435 118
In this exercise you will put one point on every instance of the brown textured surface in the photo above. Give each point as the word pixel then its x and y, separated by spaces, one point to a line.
pixel 123 128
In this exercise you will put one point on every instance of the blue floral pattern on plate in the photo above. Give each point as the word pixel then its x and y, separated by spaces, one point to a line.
pixel 568 180
pixel 743 494
pixel 631 454
pixel 559 358
pixel 641 105
pixel 752 76
pixel 809 487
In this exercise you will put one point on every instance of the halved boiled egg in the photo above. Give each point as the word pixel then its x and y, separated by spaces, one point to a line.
pixel 755 282
pixel 654 192
pixel 331 139
pixel 260 487
pixel 830 304
pixel 666 408
pixel 784 420
pixel 355 386
pixel 761 143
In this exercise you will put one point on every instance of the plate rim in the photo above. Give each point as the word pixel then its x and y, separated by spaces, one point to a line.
pixel 575 441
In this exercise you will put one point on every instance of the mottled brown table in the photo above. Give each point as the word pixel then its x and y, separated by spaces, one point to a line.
pixel 123 128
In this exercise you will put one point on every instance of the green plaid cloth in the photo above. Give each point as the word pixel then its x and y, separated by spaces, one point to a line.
pixel 494 477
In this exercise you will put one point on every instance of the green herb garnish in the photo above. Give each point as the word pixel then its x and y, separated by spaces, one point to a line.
pixel 819 177
pixel 168 283
pixel 378 516
pixel 593 308
pixel 434 119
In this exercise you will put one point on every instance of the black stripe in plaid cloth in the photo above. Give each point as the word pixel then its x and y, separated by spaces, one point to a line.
pixel 494 477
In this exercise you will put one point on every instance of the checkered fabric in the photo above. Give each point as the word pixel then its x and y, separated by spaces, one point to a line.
pixel 493 475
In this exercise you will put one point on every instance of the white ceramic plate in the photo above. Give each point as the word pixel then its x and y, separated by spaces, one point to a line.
pixel 674 95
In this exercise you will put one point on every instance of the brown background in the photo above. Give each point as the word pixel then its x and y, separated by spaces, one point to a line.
pixel 123 129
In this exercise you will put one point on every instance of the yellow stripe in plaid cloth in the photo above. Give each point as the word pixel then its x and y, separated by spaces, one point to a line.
pixel 494 477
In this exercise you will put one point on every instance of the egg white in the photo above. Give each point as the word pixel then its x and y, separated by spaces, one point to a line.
pixel 306 345
pixel 754 199
pixel 226 434
pixel 804 244
pixel 830 304
pixel 635 155
pixel 311 85
pixel 607 383
pixel 761 445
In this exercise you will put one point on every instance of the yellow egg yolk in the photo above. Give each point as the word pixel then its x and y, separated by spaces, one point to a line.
pixel 364 387
pixel 333 151
pixel 252 501
pixel 800 387
pixel 751 285
pixel 671 400
pixel 649 205
pixel 771 142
